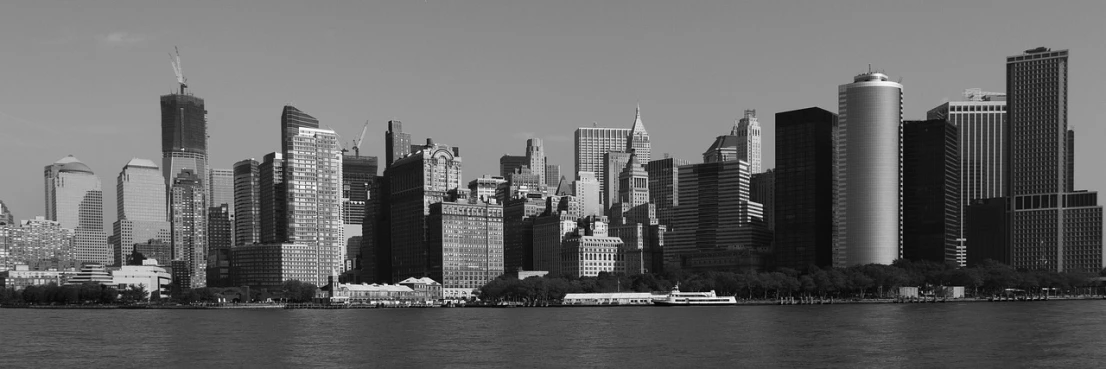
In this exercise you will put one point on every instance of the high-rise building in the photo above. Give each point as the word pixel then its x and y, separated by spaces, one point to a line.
pixel 613 164
pixel 510 163
pixel 188 214
pixel 715 212
pixel 550 231
pixel 586 194
pixel 74 199
pixel 931 191
pixel 376 240
pixel 484 189
pixel 291 120
pixel 6 216
pixel 982 144
pixel 414 182
pixel 518 231
pixel 219 242
pixel 269 265
pixel 590 145
pixel 748 140
pixel 664 186
pixel 637 140
pixel 590 250
pixel 39 243
pixel 313 186
pixel 1053 227
pixel 552 175
pixel 272 200
pixel 247 202
pixel 140 199
pixel 762 189
pixel 869 171
pixel 397 144
pixel 520 184
pixel 464 246
pixel 183 135
pixel 804 188
pixel 535 158
pixel 358 174
pixel 724 148
pixel 220 188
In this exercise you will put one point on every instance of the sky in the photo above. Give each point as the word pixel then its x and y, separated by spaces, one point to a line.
pixel 84 79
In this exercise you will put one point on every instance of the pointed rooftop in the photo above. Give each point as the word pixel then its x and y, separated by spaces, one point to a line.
pixel 144 163
pixel 71 164
pixel 638 127
pixel 563 187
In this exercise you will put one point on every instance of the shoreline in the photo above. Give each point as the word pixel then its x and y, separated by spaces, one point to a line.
pixel 350 307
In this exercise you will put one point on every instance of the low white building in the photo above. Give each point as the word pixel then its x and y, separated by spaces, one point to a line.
pixel 614 298
pixel 150 277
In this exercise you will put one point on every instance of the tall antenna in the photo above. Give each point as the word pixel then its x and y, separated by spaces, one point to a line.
pixel 177 70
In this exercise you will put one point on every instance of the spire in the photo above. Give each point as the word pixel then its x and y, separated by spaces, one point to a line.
pixel 638 127
pixel 733 131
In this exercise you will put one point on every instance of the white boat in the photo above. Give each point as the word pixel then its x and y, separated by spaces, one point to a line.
pixel 677 298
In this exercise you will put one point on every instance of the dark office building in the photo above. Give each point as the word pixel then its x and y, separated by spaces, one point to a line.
pixel 414 183
pixel 358 173
pixel 291 120
pixel 518 231
pixel 804 188
pixel 247 202
pixel 219 243
pixel 989 231
pixel 511 163
pixel 1052 227
pixel 931 190
pixel 396 143
pixel 271 196
pixel 183 135
pixel 664 187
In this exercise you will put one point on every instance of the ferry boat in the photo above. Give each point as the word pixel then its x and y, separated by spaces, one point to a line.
pixel 677 298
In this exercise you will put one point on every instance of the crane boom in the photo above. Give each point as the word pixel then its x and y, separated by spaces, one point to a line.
pixel 357 144
pixel 177 70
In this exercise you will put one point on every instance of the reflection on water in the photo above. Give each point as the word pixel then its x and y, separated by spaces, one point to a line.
pixel 1041 334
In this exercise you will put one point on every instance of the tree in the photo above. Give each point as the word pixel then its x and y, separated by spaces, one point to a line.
pixel 298 291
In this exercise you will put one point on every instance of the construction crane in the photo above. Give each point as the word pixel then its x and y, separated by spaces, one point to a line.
pixel 177 69
pixel 357 143
pixel 977 94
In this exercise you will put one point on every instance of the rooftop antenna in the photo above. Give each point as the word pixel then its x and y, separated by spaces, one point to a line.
pixel 177 70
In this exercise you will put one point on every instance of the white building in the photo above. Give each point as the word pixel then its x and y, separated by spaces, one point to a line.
pixel 747 131
pixel 313 173
pixel 151 277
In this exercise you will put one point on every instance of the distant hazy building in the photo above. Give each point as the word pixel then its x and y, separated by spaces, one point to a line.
pixel 358 175
pixel 291 120
pixel 464 246
pixel 272 204
pixel 869 171
pixel 748 140
pixel 397 144
pixel 586 193
pixel 183 135
pixel 313 180
pixel 483 189
pixel 590 145
pixel 804 188
pixel 220 240
pixel 509 163
pixel 664 186
pixel 188 216
pixel 414 182
pixel 535 158
pixel 613 164
pixel 762 189
pixel 637 140
pixel 6 216
pixel 141 200
pixel 247 202
pixel 550 231
pixel 220 188
pixel 552 175
pixel 518 232
pixel 1053 227
pixel 75 199
pixel 161 251
pixel 983 144
pixel 931 191
pixel 36 242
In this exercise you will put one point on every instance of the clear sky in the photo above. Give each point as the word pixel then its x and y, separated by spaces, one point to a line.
pixel 83 78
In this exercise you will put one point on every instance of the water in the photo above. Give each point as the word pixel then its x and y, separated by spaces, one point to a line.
pixel 1061 334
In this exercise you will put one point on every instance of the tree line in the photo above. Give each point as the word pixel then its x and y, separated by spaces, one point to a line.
pixel 97 294
pixel 873 281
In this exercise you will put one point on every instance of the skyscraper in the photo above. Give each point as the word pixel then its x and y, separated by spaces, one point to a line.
pixel 220 239
pixel 762 189
pixel 535 158
pixel 272 201
pixel 188 214
pixel 552 176
pixel 247 202
pixel 358 174
pixel 183 135
pixel 586 194
pixel 291 120
pixel 141 200
pixel 637 140
pixel 220 188
pixel 6 216
pixel 804 188
pixel 614 162
pixel 869 174
pixel 397 144
pixel 464 246
pixel 313 180
pixel 590 145
pixel 982 147
pixel 664 186
pixel 747 131
pixel 74 199
pixel 414 182
pixel 1053 228
pixel 931 191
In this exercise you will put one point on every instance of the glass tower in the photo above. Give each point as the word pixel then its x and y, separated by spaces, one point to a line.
pixel 75 199
pixel 140 199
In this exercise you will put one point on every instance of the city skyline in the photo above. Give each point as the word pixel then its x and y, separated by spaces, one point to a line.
pixel 717 95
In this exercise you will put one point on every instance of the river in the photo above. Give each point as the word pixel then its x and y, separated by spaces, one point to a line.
pixel 1060 334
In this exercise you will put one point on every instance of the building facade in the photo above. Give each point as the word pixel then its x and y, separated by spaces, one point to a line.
pixel 268 266
pixel 804 188
pixel 141 200
pixel 272 200
pixel 220 239
pixel 664 187
pixel 748 140
pixel 75 199
pixel 762 189
pixel 188 217
pixel 464 246
pixel 869 171
pixel 247 202
pixel 414 183
pixel 313 187
pixel 39 243
pixel 183 135
pixel 931 191
pixel 590 145
pixel 1052 226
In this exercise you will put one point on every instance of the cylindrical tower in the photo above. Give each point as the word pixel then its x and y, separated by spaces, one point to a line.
pixel 869 171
